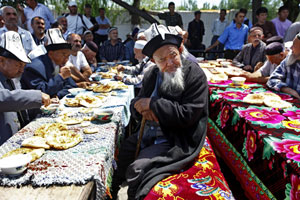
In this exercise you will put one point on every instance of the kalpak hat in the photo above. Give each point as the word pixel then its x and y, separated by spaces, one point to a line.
pixel 55 40
pixel 11 47
pixel 158 36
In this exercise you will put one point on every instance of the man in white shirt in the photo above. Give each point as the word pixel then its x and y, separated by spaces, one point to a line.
pixel 34 9
pixel 80 68
pixel 77 23
pixel 218 28
pixel 11 24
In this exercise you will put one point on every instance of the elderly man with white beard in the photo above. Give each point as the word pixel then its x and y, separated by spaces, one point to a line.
pixel 173 100
pixel 286 77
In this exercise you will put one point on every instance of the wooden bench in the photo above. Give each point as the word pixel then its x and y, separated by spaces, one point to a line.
pixel 204 180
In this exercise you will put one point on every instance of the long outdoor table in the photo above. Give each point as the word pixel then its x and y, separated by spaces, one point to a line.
pixel 71 173
pixel 260 144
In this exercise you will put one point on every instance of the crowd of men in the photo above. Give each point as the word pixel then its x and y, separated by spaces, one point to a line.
pixel 40 64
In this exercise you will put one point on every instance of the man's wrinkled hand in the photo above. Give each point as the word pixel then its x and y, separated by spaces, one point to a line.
pixel 65 72
pixel 142 104
pixel 83 84
pixel 149 115
pixel 45 99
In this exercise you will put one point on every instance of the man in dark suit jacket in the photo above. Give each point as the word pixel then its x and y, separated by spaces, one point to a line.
pixel 253 54
pixel 48 72
pixel 196 31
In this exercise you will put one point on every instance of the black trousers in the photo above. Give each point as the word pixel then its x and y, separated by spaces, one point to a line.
pixel 132 170
pixel 230 54
pixel 98 39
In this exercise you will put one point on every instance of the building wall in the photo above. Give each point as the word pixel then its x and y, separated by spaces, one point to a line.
pixel 124 26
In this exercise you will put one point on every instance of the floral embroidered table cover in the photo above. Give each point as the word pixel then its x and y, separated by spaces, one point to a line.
pixel 267 138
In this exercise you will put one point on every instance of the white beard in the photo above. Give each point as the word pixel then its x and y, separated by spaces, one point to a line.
pixel 173 83
pixel 292 59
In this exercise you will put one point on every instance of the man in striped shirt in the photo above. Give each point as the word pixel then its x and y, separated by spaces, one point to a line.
pixel 113 49
pixel 286 77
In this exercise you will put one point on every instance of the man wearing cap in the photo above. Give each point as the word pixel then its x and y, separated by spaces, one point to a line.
pixel 112 50
pixel 286 77
pixel 101 34
pixel 173 100
pixel 233 37
pixel 138 70
pixel 13 100
pixel 275 53
pixel 49 72
pixel 38 26
pixel 80 69
pixel 253 52
pixel 34 9
pixel 88 36
pixel 90 50
pixel 11 24
pixel 77 23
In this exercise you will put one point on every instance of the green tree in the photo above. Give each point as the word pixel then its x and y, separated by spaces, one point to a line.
pixel 189 5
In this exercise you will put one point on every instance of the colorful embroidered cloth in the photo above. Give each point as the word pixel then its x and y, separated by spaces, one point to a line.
pixel 90 160
pixel 204 180
pixel 266 138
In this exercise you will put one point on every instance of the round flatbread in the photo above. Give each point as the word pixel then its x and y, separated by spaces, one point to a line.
pixel 71 102
pixel 89 101
pixel 271 95
pixel 63 140
pixel 277 103
pixel 102 88
pixel 90 130
pixel 69 120
pixel 35 153
pixel 256 98
pixel 47 128
pixel 35 142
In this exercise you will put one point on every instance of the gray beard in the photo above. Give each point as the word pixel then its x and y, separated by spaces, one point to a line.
pixel 292 59
pixel 173 83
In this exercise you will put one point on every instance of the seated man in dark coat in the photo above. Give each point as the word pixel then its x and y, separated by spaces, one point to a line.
pixel 48 72
pixel 173 101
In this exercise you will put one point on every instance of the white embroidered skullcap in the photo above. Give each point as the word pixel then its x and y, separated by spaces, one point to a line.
pixel 140 44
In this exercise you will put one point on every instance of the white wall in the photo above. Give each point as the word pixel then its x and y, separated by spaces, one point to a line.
pixel 124 26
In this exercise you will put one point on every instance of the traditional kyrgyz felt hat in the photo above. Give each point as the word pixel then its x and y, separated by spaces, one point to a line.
pixel 140 44
pixel 11 47
pixel 274 39
pixel 274 48
pixel 55 40
pixel 158 36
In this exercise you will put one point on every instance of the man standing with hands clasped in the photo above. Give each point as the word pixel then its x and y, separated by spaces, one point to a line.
pixel 13 100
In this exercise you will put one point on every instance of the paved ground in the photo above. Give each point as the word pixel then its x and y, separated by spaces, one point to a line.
pixel 122 195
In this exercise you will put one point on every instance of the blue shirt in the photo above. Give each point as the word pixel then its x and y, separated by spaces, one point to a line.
pixel 285 76
pixel 104 21
pixel 234 38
